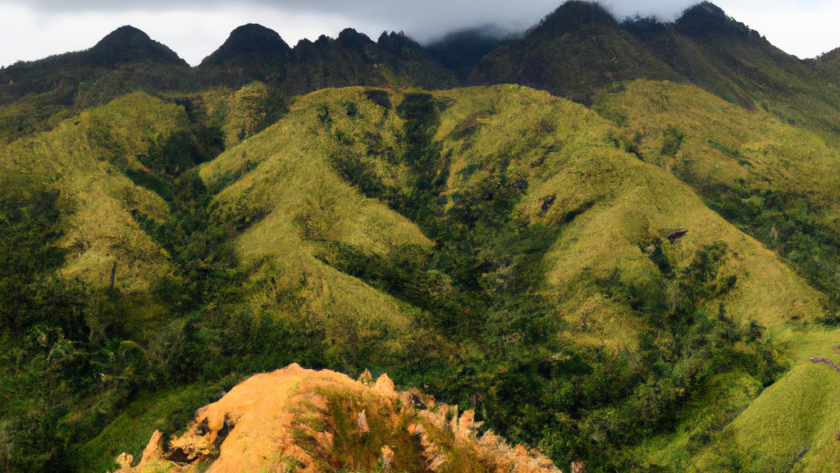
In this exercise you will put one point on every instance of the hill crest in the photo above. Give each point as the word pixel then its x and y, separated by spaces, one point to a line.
pixel 253 40
pixel 323 420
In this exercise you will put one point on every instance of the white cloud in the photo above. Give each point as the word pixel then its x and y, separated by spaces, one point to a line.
pixel 194 29
pixel 803 28
pixel 28 35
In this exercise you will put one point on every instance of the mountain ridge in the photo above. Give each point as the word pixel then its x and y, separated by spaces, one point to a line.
pixel 704 47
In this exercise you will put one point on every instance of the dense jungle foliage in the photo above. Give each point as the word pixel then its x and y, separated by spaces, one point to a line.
pixel 489 342
pixel 633 281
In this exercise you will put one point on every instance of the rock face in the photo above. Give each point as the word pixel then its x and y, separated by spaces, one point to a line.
pixel 308 421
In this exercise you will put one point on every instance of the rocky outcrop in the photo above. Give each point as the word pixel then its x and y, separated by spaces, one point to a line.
pixel 825 361
pixel 310 421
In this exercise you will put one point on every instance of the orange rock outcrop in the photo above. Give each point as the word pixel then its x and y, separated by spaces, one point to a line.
pixel 299 420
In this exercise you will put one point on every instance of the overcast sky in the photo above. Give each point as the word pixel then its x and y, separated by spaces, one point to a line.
pixel 33 29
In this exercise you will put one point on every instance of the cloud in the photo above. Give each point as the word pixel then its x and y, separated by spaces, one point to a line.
pixel 32 29
pixel 27 34
pixel 805 28
pixel 438 16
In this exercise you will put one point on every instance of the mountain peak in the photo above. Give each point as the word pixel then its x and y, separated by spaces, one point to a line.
pixel 253 40
pixel 708 19
pixel 574 15
pixel 124 35
pixel 128 44
pixel 352 39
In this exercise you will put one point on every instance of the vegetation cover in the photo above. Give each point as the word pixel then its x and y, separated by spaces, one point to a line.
pixel 633 280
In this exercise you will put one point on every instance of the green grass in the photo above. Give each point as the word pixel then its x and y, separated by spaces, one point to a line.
pixel 792 424
pixel 772 180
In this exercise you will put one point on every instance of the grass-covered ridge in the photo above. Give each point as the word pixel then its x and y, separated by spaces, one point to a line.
pixel 774 181
pixel 542 233
pixel 504 249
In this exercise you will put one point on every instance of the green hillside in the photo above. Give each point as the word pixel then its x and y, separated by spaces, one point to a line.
pixel 829 64
pixel 485 243
pixel 773 181
pixel 628 265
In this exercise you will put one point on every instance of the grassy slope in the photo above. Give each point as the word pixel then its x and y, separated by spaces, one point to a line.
pixel 38 96
pixel 290 203
pixel 725 146
pixel 792 424
pixel 82 158
pixel 780 83
pixel 631 203
pixel 625 204
pixel 758 171
pixel 288 181
pixel 741 426
pixel 561 150
pixel 556 146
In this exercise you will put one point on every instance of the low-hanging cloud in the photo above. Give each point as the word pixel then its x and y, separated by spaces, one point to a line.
pixel 194 28
pixel 422 20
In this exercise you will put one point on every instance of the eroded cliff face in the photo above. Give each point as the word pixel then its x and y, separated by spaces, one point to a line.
pixel 302 420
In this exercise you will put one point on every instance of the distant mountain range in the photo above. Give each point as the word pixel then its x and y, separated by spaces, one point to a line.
pixel 575 52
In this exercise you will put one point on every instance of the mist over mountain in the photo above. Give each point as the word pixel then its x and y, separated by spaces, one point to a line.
pixel 580 49
pixel 461 50
pixel 425 21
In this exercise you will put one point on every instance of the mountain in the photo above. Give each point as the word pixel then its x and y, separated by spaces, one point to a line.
pixel 348 237
pixel 829 64
pixel 252 52
pixel 124 49
pixel 460 51
pixel 256 53
pixel 250 43
pixel 37 95
pixel 125 45
pixel 580 50
pixel 644 278
pixel 576 50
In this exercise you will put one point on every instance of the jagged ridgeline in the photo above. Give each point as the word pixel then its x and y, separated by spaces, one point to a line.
pixel 37 95
pixel 632 280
